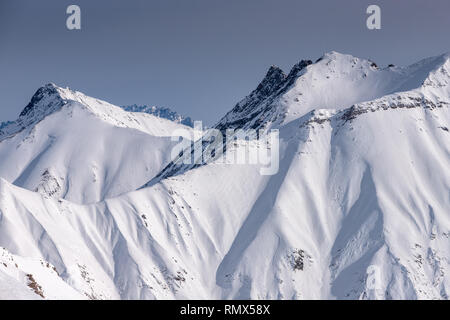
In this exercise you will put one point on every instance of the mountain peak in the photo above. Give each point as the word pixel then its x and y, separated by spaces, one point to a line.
pixel 271 81
pixel 45 93
pixel 334 55
pixel 45 101
pixel 50 99
pixel 343 58
pixel 256 109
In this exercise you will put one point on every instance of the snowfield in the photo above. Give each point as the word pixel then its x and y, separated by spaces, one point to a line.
pixel 359 209
pixel 67 145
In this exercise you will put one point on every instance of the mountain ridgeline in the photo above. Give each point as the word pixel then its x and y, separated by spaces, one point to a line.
pixel 358 209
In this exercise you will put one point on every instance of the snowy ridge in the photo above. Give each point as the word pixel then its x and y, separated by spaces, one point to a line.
pixel 362 189
pixel 256 110
pixel 51 98
pixel 335 81
pixel 68 145
pixel 340 83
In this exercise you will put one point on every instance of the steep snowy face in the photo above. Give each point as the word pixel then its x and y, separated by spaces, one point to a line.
pixel 44 102
pixel 68 145
pixel 257 110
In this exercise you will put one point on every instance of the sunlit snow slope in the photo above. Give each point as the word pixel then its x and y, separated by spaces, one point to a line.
pixel 67 145
pixel 362 188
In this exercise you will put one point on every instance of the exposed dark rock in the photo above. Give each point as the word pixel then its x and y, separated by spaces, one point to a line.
pixel 47 90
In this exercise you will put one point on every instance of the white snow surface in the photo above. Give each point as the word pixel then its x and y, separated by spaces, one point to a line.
pixel 363 185
pixel 83 149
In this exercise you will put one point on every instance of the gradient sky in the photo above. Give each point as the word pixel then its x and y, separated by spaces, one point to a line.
pixel 198 57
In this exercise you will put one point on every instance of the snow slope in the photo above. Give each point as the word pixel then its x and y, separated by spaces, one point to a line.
pixel 31 279
pixel 362 189
pixel 336 81
pixel 68 145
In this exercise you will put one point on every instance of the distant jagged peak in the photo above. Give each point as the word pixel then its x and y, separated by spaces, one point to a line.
pixel 160 112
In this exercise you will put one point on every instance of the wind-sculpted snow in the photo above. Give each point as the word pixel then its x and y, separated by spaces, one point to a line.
pixel 359 208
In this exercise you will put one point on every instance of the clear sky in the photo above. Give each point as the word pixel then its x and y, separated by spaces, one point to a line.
pixel 198 57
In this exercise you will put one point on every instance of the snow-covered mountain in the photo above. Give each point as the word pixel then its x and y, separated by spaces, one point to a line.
pixel 67 145
pixel 362 193
pixel 161 112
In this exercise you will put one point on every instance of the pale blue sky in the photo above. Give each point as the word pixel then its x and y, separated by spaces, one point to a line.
pixel 198 57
